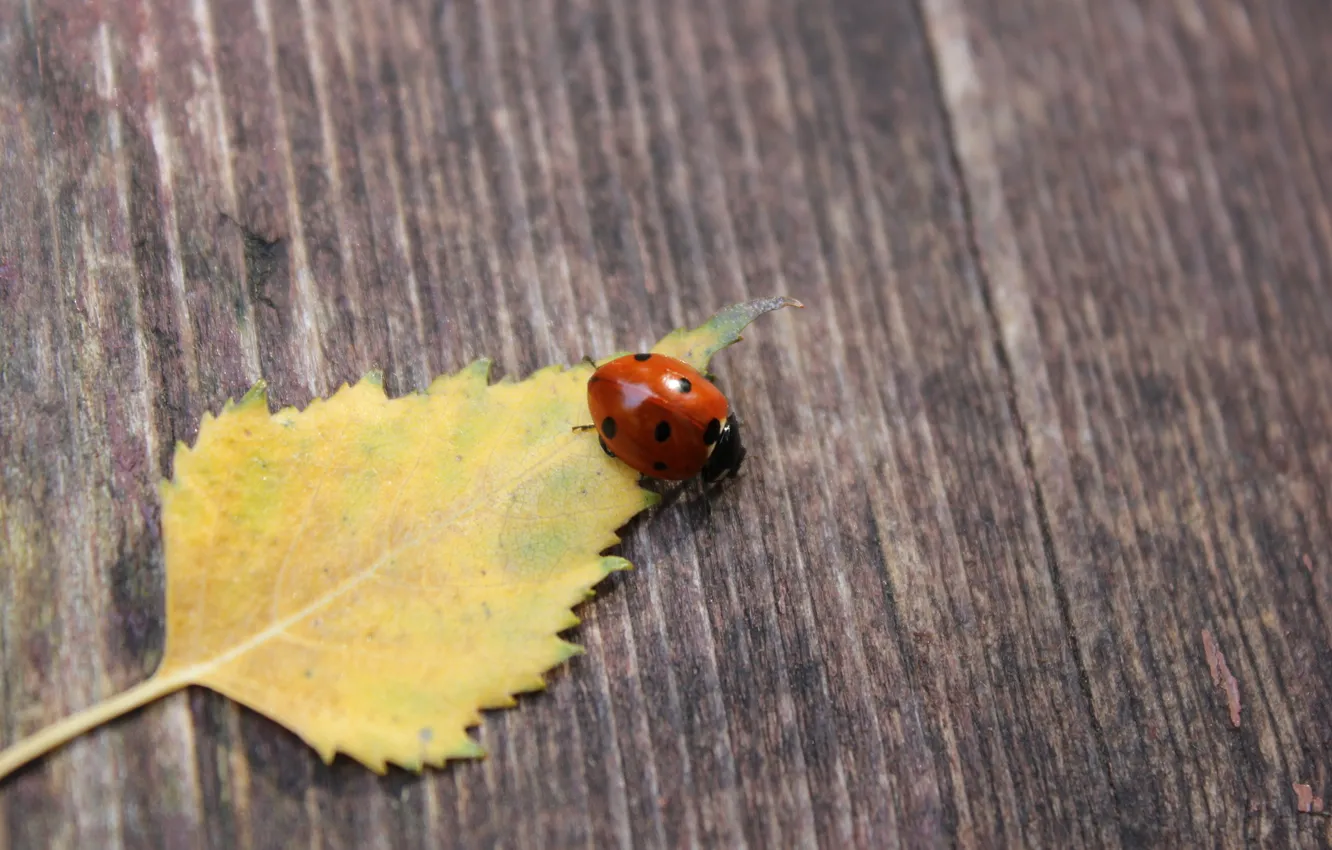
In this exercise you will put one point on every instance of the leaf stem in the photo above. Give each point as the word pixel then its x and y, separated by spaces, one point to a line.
pixel 62 731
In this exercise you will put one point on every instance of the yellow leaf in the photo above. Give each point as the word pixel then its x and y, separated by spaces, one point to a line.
pixel 371 573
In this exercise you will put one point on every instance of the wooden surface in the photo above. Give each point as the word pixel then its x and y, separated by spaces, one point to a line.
pixel 1052 441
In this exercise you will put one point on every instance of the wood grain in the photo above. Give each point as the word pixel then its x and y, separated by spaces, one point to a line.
pixel 1060 404
pixel 1141 201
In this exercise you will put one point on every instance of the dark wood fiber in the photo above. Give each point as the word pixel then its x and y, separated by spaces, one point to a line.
pixel 1060 402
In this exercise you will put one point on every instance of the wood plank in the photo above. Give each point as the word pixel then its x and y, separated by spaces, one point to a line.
pixel 1154 234
pixel 1057 405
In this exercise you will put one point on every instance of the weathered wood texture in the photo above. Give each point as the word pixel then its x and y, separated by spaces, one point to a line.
pixel 1061 401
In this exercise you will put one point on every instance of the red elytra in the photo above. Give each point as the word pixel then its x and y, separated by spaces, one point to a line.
pixel 663 418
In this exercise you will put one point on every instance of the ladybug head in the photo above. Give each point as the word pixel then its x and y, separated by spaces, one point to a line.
pixel 727 453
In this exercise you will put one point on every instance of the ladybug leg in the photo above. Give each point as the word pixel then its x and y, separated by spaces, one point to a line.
pixel 600 439
pixel 589 361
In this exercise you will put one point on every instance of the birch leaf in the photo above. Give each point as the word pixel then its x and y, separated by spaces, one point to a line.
pixel 372 572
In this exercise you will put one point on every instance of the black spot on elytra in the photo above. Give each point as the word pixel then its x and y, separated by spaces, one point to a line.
pixel 714 431
pixel 608 428
pixel 659 466
pixel 605 448
pixel 683 385
pixel 663 432
pixel 641 357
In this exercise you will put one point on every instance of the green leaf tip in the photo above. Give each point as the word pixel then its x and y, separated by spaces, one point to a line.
pixel 257 394
pixel 468 750
pixel 570 650
pixel 697 346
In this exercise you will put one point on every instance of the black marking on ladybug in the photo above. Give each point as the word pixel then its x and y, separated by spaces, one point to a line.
pixel 682 385
pixel 608 428
pixel 641 357
pixel 714 431
pixel 659 466
pixel 663 432
pixel 594 379
pixel 605 448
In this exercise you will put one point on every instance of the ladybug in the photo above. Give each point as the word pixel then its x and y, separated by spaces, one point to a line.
pixel 664 418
